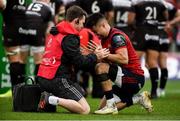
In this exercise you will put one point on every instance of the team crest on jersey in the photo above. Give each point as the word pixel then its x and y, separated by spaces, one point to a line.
pixel 118 41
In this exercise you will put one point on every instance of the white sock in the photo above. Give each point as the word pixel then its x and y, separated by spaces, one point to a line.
pixel 53 100
pixel 136 99
pixel 110 102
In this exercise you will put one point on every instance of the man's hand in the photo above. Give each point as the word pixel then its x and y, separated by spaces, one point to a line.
pixel 84 50
pixel 97 49
pixel 101 53
pixel 93 47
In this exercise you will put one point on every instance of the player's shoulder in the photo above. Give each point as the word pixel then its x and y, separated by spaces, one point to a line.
pixel 43 4
pixel 119 39
pixel 135 2
pixel 123 3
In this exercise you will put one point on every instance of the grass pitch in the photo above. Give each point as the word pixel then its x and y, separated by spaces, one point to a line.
pixel 167 108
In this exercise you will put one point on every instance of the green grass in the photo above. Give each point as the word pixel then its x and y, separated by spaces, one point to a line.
pixel 167 108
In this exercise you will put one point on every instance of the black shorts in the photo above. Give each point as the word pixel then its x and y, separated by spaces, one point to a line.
pixel 62 88
pixel 164 47
pixel 146 38
pixel 164 41
pixel 10 36
pixel 35 37
pixel 33 34
pixel 131 84
pixel 33 40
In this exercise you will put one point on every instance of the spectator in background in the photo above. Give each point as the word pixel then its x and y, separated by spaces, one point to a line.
pixel 148 14
pixel 39 20
pixel 13 17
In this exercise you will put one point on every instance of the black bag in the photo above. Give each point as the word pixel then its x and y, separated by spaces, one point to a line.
pixel 26 97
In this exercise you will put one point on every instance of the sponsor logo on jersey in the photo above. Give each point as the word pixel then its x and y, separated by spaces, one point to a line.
pixel 27 31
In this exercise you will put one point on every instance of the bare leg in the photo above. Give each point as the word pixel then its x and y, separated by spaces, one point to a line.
pixel 140 54
pixel 102 103
pixel 38 57
pixel 121 105
pixel 81 107
pixel 152 58
pixel 24 56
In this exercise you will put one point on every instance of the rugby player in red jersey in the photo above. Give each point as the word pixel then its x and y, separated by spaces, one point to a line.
pixel 122 67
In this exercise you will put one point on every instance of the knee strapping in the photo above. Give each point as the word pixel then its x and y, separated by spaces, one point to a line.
pixel 102 77
pixel 13 52
pixel 113 69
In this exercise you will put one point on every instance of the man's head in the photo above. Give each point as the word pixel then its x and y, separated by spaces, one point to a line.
pixel 76 16
pixel 98 23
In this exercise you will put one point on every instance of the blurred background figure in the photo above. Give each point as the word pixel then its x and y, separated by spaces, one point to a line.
pixel 166 29
pixel 148 14
pixel 173 26
pixel 123 16
pixel 39 20
pixel 163 51
pixel 94 6
pixel 13 17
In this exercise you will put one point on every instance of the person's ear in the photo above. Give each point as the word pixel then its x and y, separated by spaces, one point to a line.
pixel 77 21
pixel 103 24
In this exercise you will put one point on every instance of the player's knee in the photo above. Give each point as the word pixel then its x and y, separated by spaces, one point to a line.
pixel 86 110
pixel 102 68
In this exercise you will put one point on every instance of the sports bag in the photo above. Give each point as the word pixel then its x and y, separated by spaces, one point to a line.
pixel 26 97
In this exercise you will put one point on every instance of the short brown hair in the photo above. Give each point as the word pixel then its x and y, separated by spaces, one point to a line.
pixel 75 12
pixel 93 19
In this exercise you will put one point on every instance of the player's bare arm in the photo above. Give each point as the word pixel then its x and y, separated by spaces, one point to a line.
pixel 120 56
